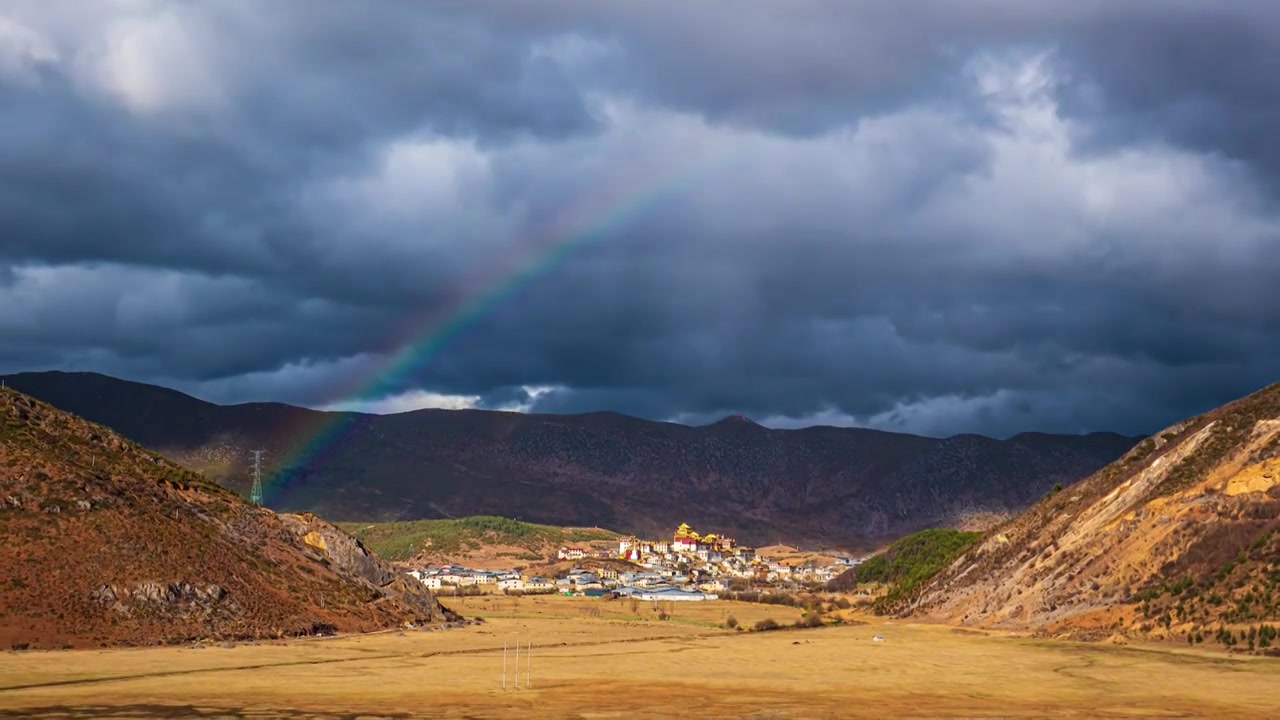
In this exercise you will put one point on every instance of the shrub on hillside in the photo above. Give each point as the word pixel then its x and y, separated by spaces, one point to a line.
pixel 766 625
pixel 811 620
pixel 911 561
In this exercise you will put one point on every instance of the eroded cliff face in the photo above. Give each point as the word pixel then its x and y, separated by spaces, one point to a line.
pixel 1176 537
pixel 103 542
pixel 350 558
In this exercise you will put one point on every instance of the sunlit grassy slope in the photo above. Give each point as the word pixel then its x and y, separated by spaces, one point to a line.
pixel 912 560
pixel 401 540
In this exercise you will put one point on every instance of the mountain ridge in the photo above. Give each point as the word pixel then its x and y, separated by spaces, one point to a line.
pixel 20 379
pixel 820 484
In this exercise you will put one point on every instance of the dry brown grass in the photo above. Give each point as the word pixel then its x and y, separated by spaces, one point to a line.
pixel 788 555
pixel 697 615
pixel 587 667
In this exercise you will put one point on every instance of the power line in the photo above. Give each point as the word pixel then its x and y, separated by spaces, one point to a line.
pixel 255 494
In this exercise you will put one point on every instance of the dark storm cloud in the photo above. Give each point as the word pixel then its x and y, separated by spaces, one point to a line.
pixel 987 216
pixel 1201 78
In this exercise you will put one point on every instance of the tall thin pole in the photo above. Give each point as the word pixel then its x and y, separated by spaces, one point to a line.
pixel 517 664
pixel 504 666
pixel 255 494
pixel 528 678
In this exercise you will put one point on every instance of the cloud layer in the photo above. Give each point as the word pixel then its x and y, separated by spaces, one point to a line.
pixel 988 217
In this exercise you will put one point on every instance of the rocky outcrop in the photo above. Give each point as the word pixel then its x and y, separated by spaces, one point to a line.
pixel 177 597
pixel 350 558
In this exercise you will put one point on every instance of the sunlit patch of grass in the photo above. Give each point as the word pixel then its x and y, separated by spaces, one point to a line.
pixel 399 540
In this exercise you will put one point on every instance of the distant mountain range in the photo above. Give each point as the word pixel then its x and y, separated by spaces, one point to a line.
pixel 820 485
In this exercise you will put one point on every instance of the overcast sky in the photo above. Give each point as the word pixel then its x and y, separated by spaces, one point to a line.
pixel 931 216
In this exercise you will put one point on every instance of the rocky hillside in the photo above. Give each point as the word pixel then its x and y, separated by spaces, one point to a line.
pixel 818 486
pixel 1179 538
pixel 103 542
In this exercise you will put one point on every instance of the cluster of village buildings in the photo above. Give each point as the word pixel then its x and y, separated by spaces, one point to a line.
pixel 689 567
pixel 685 546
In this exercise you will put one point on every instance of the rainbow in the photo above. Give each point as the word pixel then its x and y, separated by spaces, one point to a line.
pixel 534 258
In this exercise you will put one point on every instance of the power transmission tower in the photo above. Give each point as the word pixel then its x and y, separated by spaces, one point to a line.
pixel 255 495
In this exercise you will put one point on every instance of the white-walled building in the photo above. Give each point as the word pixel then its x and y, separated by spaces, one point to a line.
pixel 572 553
pixel 538 584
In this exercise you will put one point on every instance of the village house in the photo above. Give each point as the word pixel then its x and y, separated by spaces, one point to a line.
pixel 645 579
pixel 538 584
pixel 708 555
pixel 572 553
pixel 714 586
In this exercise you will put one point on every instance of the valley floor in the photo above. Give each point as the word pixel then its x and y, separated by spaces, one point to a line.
pixel 619 665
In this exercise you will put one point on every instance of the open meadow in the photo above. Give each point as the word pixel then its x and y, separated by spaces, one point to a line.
pixel 595 659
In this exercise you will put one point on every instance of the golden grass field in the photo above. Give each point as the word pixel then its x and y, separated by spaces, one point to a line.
pixel 615 666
